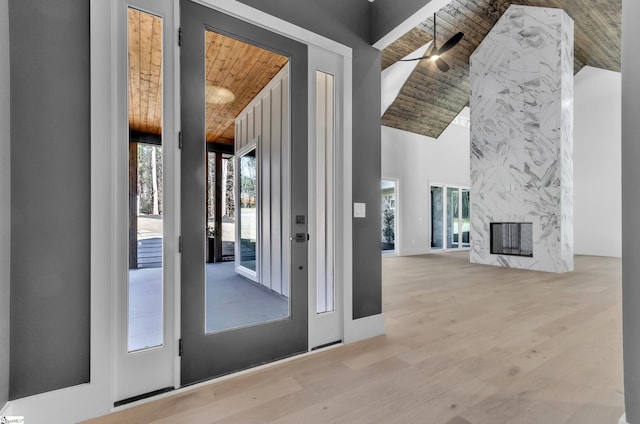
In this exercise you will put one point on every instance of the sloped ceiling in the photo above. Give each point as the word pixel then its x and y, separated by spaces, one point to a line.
pixel 431 99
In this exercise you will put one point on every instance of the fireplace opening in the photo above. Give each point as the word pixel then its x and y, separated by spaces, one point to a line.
pixel 512 238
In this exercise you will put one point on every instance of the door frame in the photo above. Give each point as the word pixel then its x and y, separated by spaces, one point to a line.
pixel 134 373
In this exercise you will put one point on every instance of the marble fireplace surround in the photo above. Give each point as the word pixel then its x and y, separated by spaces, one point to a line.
pixel 522 136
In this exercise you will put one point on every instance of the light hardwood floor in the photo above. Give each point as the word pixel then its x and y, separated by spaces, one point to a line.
pixel 464 344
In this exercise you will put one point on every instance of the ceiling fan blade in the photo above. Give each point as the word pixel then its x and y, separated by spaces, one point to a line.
pixel 442 65
pixel 451 42
pixel 415 58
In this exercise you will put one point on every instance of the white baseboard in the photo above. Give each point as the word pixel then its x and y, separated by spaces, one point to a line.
pixel 364 328
pixel 5 410
pixel 412 252
pixel 623 419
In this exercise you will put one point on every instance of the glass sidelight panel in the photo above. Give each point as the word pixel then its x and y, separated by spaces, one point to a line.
pixel 453 227
pixel 325 139
pixel 146 206
pixel 437 211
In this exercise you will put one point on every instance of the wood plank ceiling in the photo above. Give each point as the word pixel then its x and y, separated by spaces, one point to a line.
pixel 235 73
pixel 431 99
pixel 145 72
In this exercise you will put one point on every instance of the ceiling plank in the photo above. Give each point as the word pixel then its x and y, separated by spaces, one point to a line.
pixel 404 45
pixel 429 98
pixel 145 72
pixel 134 69
pixel 241 68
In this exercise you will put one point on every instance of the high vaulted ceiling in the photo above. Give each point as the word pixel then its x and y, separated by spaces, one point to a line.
pixel 430 99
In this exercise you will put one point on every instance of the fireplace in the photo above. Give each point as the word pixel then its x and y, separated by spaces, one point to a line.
pixel 512 238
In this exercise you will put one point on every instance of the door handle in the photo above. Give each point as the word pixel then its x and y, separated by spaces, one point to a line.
pixel 300 237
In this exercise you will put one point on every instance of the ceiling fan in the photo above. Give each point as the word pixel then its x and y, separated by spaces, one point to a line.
pixel 435 52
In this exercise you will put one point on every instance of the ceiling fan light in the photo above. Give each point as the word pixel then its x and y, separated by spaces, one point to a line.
pixel 435 57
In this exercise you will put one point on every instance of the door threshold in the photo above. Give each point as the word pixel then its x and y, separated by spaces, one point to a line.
pixel 322 346
pixel 143 396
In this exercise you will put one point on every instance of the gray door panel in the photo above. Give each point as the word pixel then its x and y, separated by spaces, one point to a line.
pixel 206 356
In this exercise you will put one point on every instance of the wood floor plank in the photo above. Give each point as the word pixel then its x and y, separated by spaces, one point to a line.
pixel 464 344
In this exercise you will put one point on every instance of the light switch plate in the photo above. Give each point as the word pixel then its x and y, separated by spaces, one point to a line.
pixel 359 210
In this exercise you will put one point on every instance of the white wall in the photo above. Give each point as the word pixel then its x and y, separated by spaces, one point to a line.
pixel 265 121
pixel 5 200
pixel 416 161
pixel 597 166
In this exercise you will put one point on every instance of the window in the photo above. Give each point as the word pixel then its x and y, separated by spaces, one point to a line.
pixel 450 217
pixel 248 218
pixel 388 189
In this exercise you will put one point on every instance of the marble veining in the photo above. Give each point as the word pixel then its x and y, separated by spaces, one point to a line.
pixel 522 136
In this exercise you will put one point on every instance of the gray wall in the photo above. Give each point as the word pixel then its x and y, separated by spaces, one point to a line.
pixel 5 205
pixel 50 197
pixel 50 184
pixel 349 23
pixel 388 14
pixel 631 208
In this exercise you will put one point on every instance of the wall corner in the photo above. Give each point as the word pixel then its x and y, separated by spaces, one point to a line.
pixel 5 200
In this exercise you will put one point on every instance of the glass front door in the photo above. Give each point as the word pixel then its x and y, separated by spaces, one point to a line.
pixel 253 309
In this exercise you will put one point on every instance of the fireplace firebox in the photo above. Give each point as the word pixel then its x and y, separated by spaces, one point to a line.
pixel 512 238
